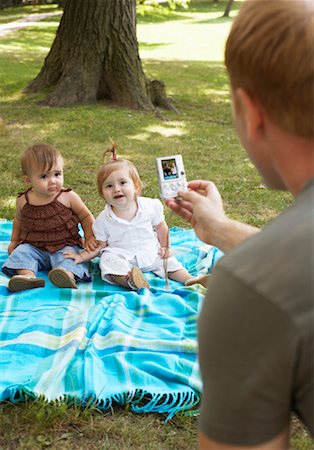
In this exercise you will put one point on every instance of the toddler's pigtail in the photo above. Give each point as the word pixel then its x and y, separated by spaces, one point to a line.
pixel 112 149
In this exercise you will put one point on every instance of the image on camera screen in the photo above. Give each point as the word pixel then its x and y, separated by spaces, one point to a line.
pixel 169 169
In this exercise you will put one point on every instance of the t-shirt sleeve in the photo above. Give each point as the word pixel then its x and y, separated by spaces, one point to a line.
pixel 99 228
pixel 157 211
pixel 247 348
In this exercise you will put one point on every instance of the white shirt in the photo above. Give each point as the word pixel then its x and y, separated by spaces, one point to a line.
pixel 136 238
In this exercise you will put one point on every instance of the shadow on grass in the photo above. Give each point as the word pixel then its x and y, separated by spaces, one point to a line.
pixel 146 14
pixel 212 6
pixel 23 10
pixel 159 15
pixel 218 20
pixel 150 15
pixel 154 46
pixel 187 82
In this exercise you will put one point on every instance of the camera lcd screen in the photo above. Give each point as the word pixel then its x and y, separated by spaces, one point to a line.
pixel 169 169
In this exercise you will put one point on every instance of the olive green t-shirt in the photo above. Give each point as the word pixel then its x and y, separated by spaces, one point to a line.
pixel 256 332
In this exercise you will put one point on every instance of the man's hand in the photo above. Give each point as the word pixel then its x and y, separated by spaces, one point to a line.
pixel 202 207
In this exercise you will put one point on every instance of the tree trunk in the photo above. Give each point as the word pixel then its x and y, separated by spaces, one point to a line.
pixel 228 8
pixel 95 56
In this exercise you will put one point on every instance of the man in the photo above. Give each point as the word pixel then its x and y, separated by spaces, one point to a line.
pixel 256 325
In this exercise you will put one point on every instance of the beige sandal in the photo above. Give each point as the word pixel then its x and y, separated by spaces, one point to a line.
pixel 137 279
pixel 60 278
pixel 22 282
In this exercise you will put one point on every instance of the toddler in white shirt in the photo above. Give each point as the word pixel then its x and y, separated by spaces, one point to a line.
pixel 132 233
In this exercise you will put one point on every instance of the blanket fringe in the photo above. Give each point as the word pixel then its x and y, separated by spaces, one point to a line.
pixel 139 401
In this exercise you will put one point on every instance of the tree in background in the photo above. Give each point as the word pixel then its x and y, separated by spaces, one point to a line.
pixel 228 8
pixel 95 56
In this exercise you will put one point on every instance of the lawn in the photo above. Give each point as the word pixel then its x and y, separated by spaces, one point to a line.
pixel 183 48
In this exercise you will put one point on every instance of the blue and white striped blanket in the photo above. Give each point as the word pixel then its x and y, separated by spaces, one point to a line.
pixel 104 344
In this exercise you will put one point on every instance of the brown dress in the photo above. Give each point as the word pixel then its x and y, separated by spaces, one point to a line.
pixel 49 227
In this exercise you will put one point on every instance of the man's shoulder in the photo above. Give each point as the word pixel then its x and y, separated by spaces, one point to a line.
pixel 278 262
pixel 286 233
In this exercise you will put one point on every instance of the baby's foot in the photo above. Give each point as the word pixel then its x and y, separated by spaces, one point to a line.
pixel 23 282
pixel 61 278
pixel 201 279
pixel 137 279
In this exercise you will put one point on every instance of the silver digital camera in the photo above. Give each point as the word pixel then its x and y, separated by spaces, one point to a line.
pixel 171 176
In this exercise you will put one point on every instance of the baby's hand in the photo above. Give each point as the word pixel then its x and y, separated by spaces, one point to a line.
pixel 12 246
pixel 165 252
pixel 90 244
pixel 69 254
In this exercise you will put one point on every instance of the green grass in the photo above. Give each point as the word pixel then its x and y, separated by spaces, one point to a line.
pixel 184 48
pixel 59 426
pixel 12 14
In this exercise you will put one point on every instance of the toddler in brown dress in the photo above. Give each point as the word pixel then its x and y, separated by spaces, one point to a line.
pixel 46 225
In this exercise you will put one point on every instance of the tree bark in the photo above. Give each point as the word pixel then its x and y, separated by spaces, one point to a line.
pixel 95 56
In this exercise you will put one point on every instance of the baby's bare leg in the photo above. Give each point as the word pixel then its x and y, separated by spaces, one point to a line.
pixel 181 275
pixel 184 277
pixel 27 273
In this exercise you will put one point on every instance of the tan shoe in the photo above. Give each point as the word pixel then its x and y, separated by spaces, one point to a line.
pixel 202 279
pixel 60 278
pixel 21 283
pixel 137 279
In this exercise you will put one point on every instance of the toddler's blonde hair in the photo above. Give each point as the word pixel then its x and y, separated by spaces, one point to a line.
pixel 270 54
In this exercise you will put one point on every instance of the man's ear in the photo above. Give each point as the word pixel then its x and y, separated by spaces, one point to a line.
pixel 250 111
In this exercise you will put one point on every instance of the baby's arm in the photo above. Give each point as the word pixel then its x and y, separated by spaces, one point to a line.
pixel 15 236
pixel 162 231
pixel 86 219
pixel 16 229
pixel 85 255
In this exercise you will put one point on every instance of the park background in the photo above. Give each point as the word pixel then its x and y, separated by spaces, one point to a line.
pixel 183 47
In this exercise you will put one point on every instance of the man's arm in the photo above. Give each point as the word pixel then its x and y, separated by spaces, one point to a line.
pixel 202 207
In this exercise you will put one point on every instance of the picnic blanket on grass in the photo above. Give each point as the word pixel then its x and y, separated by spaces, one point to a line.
pixel 103 344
